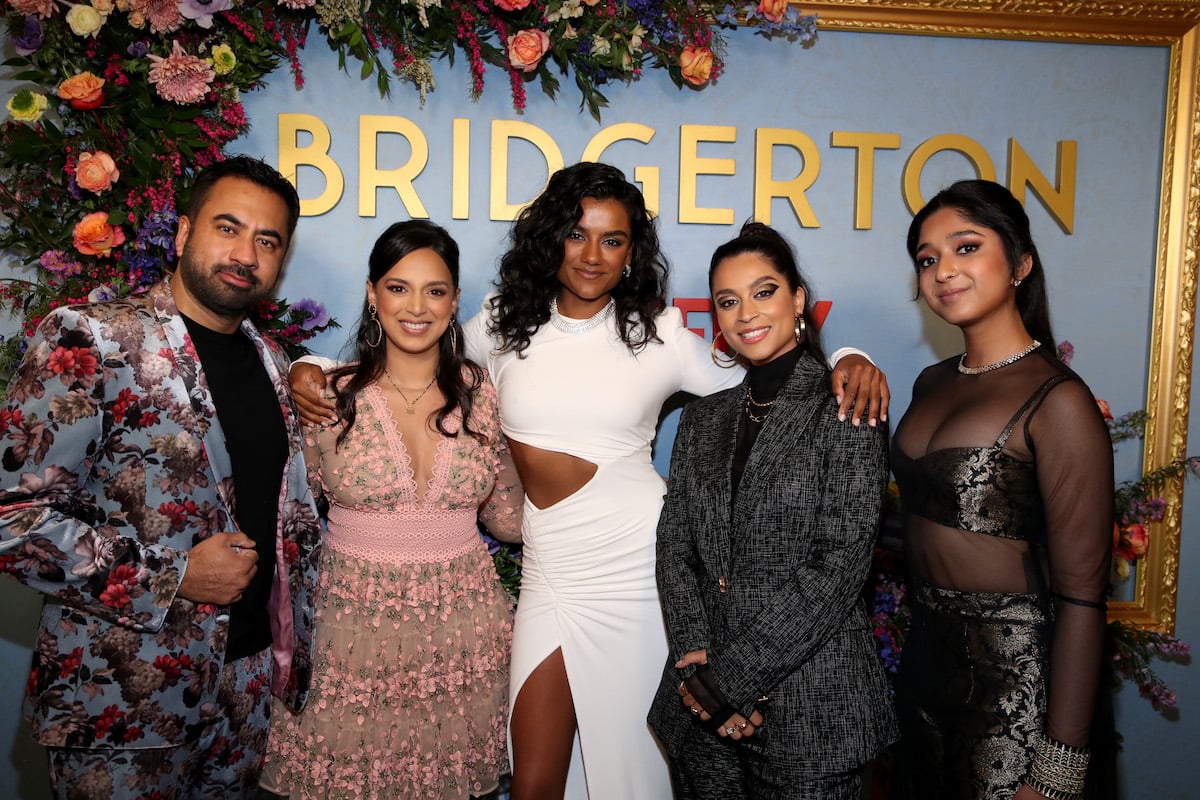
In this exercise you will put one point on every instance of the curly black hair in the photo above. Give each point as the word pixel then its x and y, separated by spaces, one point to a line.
pixel 528 278
pixel 457 377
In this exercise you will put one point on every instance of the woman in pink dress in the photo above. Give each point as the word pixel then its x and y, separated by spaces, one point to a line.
pixel 410 682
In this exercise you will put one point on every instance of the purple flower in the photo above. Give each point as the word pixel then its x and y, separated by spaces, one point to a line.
pixel 137 49
pixel 1066 351
pixel 317 316
pixel 28 43
pixel 202 10
pixel 102 294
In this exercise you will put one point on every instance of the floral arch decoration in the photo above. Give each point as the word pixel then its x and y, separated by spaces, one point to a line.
pixel 121 101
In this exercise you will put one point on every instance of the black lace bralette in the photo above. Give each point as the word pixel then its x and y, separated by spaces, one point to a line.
pixel 977 489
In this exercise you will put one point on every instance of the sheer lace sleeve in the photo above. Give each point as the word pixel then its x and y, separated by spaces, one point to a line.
pixel 501 512
pixel 1075 474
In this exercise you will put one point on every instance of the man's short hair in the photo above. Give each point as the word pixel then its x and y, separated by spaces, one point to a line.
pixel 247 168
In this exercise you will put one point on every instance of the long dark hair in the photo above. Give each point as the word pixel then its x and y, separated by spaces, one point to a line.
pixel 457 377
pixel 767 242
pixel 528 278
pixel 991 205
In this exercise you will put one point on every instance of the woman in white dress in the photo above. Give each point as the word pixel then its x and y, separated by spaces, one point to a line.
pixel 584 352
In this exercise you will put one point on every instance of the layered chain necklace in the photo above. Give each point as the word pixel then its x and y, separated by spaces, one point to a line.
pixel 410 406
pixel 1015 357
pixel 752 404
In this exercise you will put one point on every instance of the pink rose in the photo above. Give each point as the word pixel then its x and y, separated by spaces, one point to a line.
pixel 525 49
pixel 95 237
pixel 84 91
pixel 96 171
pixel 696 64
pixel 773 9
pixel 512 5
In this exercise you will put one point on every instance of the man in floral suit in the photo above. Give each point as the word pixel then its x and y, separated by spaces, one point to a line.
pixel 152 486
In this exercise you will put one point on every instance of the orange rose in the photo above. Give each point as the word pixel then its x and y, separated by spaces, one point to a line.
pixel 696 64
pixel 525 49
pixel 1133 542
pixel 95 237
pixel 96 171
pixel 1105 411
pixel 512 5
pixel 773 9
pixel 83 91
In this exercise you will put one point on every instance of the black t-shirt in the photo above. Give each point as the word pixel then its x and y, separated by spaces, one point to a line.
pixel 256 440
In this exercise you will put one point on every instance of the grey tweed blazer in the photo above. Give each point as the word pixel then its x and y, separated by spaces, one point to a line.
pixel 794 551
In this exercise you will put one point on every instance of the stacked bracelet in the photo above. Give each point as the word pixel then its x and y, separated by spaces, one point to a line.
pixel 1058 770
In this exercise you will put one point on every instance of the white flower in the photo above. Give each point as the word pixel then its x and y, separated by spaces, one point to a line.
pixel 601 46
pixel 84 20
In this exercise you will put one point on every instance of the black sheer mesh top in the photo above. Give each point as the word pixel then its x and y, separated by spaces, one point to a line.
pixel 1004 471
pixel 1006 479
pixel 978 489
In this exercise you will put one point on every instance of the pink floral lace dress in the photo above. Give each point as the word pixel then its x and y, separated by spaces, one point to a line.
pixel 410 679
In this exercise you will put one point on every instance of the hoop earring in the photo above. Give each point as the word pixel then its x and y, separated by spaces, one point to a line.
pixel 373 313
pixel 800 328
pixel 724 363
pixel 453 336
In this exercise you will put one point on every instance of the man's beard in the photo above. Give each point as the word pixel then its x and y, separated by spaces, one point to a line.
pixel 207 288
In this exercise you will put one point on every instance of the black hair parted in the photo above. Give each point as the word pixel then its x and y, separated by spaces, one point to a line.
pixel 457 377
pixel 993 206
pixel 528 278
pixel 765 241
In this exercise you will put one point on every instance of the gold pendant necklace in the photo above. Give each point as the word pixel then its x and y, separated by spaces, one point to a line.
pixel 410 406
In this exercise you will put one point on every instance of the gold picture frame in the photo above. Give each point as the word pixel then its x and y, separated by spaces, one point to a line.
pixel 1173 24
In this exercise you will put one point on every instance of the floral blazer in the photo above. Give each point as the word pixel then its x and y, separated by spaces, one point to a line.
pixel 112 466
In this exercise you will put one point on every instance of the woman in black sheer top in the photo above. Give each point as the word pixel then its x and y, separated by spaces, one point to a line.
pixel 772 688
pixel 1005 470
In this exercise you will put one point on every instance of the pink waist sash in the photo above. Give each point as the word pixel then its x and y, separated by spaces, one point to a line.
pixel 412 536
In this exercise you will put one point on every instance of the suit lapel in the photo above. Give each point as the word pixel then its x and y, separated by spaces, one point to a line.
pixel 190 375
pixel 718 434
pixel 796 406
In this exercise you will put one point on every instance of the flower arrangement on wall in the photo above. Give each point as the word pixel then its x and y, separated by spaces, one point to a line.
pixel 1135 503
pixel 121 101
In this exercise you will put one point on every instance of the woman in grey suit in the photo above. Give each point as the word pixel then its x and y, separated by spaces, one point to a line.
pixel 772 688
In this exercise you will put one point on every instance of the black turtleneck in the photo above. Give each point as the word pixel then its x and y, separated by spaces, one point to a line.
pixel 763 382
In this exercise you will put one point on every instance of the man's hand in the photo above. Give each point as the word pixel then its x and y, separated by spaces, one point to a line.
pixel 219 569
pixel 307 382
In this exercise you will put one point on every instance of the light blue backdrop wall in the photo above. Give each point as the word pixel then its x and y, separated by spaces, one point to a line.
pixel 1108 99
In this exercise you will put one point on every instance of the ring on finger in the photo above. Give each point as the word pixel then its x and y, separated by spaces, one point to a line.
pixel 743 725
pixel 695 709
pixel 729 731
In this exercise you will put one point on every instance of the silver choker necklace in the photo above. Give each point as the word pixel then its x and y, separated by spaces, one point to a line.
pixel 578 326
pixel 1015 357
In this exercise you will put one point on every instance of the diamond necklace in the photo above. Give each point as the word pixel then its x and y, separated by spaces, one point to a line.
pixel 578 326
pixel 1015 357
pixel 409 405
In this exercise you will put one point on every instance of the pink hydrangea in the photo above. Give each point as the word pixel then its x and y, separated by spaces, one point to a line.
pixel 181 78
